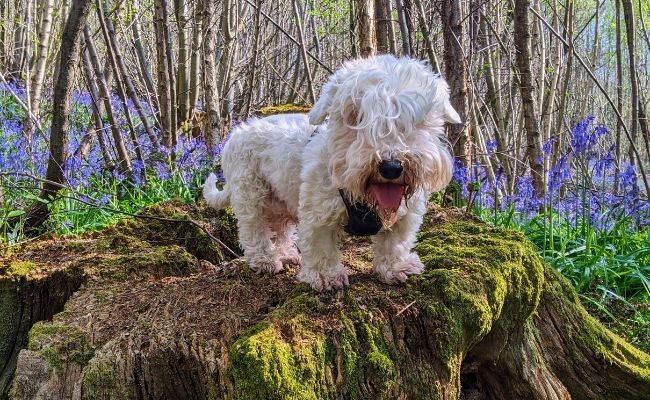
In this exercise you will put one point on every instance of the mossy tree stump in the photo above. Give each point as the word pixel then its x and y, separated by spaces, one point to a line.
pixel 487 320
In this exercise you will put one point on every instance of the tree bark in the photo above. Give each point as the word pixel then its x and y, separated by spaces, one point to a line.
pixel 62 100
pixel 164 79
pixel 628 13
pixel 365 27
pixel 382 24
pixel 405 32
pixel 212 126
pixel 456 75
pixel 488 319
pixel 182 78
pixel 38 72
pixel 527 90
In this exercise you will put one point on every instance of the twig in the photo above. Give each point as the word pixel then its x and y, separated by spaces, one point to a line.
pixel 31 115
pixel 405 308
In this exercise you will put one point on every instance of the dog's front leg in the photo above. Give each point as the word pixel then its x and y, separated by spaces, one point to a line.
pixel 320 258
pixel 393 260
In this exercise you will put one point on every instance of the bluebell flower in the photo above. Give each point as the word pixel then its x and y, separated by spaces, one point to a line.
pixel 526 200
pixel 491 146
pixel 461 175
pixel 628 177
pixel 547 146
pixel 605 163
pixel 584 138
pixel 580 135
pixel 559 174
pixel 118 175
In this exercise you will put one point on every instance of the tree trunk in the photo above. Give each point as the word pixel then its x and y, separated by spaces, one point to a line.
pixel 38 72
pixel 527 90
pixel 252 65
pixel 97 127
pixel 426 35
pixel 164 79
pixel 195 56
pixel 114 57
pixel 62 100
pixel 488 319
pixel 619 95
pixel 405 32
pixel 365 27
pixel 303 51
pixel 628 13
pixel 124 164
pixel 382 24
pixel 212 127
pixel 456 75
pixel 182 79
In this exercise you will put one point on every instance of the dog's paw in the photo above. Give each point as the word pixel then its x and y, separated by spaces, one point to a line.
pixel 290 256
pixel 270 267
pixel 401 270
pixel 321 282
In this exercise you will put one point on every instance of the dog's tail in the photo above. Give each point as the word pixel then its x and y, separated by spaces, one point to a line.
pixel 214 197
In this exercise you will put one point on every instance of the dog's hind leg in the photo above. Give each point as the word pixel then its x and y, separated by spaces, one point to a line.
pixel 255 234
pixel 285 242
pixel 393 260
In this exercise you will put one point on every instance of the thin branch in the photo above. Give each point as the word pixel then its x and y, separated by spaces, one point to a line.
pixel 288 35
pixel 21 103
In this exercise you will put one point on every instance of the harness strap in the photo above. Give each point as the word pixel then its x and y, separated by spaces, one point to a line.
pixel 362 221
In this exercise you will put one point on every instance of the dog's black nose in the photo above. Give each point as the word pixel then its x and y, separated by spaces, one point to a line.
pixel 390 169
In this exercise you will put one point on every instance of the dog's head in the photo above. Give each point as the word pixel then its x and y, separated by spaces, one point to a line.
pixel 386 130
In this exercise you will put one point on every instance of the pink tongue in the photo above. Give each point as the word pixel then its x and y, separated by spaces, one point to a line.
pixel 388 195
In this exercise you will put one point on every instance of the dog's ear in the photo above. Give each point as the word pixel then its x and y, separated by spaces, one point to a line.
pixel 450 115
pixel 321 109
pixel 443 105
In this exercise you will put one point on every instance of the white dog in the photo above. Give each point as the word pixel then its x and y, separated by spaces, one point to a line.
pixel 367 170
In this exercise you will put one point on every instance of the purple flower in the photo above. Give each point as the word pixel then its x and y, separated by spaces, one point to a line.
pixel 559 174
pixel 526 200
pixel 461 175
pixel 547 146
pixel 628 177
pixel 584 138
pixel 605 163
pixel 491 146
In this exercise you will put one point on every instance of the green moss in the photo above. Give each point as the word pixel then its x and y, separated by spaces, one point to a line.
pixel 475 274
pixel 99 383
pixel 19 268
pixel 370 371
pixel 267 366
pixel 611 348
pixel 60 344
pixel 170 226
pixel 284 109
pixel 152 261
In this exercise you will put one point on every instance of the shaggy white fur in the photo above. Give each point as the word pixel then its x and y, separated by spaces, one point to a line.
pixel 383 145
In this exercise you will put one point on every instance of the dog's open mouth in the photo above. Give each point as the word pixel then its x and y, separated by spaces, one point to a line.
pixel 388 195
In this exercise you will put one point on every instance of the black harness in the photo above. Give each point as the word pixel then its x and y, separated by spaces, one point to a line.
pixel 362 221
